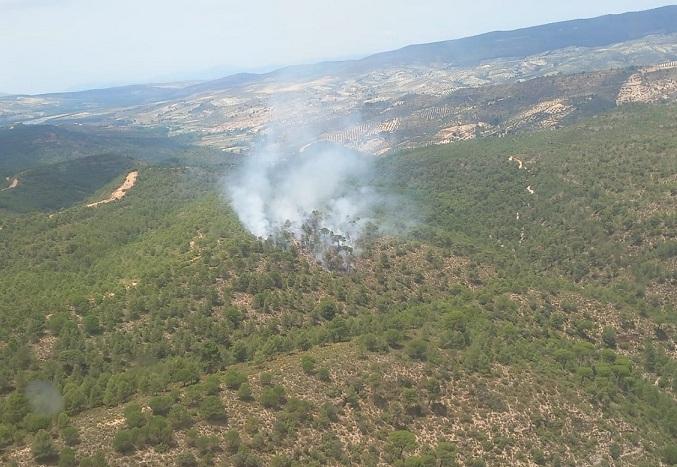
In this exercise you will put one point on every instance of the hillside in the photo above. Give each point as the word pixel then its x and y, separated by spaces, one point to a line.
pixel 31 146
pixel 527 317
pixel 60 185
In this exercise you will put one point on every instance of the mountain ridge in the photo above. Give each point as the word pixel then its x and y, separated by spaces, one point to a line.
pixel 630 25
pixel 636 24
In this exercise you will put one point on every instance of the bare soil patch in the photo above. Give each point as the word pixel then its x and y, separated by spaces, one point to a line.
pixel 121 191
pixel 13 183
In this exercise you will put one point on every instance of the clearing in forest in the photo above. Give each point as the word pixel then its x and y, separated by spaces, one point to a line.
pixel 121 191
pixel 13 183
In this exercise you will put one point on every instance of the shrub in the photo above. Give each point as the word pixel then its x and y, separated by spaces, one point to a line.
pixel 232 441
pixel 327 310
pixel 328 413
pixel 670 454
pixel 584 327
pixel 233 315
pixel 158 432
pixel 134 415
pixel 280 460
pixel 212 385
pixel 266 379
pixel 401 441
pixel 57 322
pixel 615 451
pixel 91 325
pixel 331 446
pixel 245 392
pixel 74 398
pixel 186 459
pixel 258 442
pixel 245 458
pixel 252 425
pixel 193 395
pixel 233 379
pixel 70 435
pixel 308 364
pixel 63 420
pixel 212 410
pixel 179 417
pixel 124 441
pixel 298 411
pixel 96 460
pixel 394 338
pixel 538 457
pixel 118 389
pixel 42 448
pixel 323 374
pixel 609 337
pixel 160 405
pixel 417 349
pixel 34 422
pixel 426 460
pixel 372 343
pixel 569 306
pixel 240 351
pixel 272 397
pixel 67 458
pixel 446 454
pixel 6 437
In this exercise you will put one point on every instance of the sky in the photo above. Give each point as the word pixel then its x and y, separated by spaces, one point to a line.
pixel 58 45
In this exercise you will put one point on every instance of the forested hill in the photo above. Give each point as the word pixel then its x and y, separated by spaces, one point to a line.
pixel 527 318
pixel 29 146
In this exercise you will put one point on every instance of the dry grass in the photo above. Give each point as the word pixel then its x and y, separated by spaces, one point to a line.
pixel 530 406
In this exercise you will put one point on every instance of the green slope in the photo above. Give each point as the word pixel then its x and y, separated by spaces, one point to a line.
pixel 477 339
pixel 56 186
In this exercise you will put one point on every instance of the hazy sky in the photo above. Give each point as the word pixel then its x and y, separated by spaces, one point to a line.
pixel 51 45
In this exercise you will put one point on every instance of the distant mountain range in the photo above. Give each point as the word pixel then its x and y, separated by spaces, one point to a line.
pixel 520 43
pixel 595 32
pixel 395 95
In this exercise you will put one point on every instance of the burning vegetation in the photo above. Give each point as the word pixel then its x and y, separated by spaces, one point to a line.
pixel 319 201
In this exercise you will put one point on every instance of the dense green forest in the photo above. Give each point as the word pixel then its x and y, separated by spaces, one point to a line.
pixel 29 146
pixel 63 184
pixel 527 317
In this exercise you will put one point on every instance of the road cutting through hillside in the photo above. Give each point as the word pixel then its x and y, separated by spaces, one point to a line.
pixel 122 190
pixel 13 183
pixel 519 161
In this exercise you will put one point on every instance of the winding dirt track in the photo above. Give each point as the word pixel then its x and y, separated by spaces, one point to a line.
pixel 519 161
pixel 13 183
pixel 121 191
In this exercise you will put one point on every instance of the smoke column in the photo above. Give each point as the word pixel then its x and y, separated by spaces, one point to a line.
pixel 322 190
pixel 321 195
pixel 44 398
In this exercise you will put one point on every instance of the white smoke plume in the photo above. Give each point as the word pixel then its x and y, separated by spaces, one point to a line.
pixel 295 188
pixel 272 189
pixel 44 398
pixel 319 197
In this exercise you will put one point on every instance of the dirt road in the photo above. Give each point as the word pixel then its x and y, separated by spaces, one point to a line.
pixel 121 191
